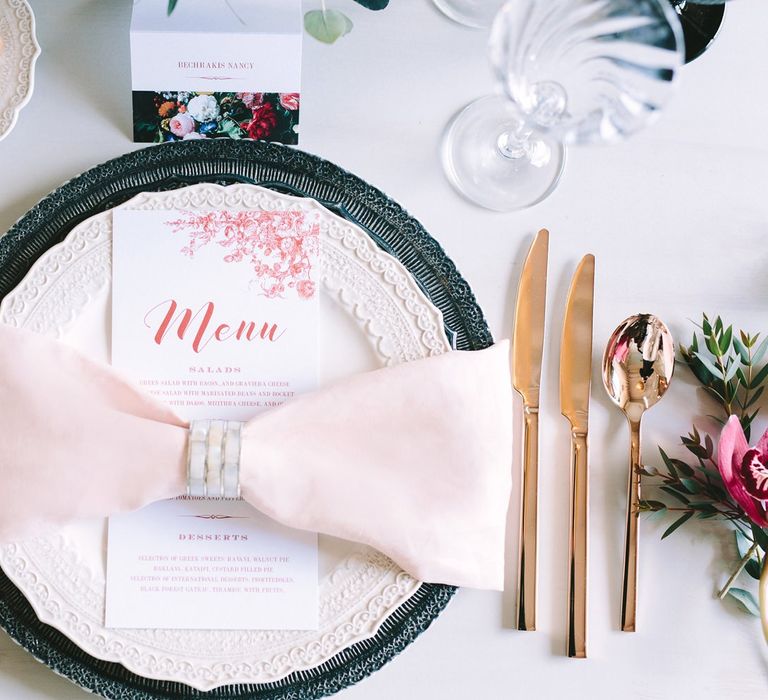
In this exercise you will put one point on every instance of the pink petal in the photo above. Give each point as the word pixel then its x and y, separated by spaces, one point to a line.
pixel 730 455
pixel 754 471
pixel 731 449
pixel 762 444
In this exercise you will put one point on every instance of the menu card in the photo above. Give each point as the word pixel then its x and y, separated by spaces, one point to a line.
pixel 215 313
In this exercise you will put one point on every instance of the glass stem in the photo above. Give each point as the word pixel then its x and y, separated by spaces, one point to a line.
pixel 513 143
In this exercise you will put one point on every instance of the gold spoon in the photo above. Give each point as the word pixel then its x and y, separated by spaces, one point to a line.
pixel 637 367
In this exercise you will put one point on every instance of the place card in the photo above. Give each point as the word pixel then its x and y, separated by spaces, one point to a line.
pixel 216 70
pixel 214 312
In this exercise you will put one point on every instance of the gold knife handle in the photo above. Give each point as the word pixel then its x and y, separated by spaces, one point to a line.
pixel 629 579
pixel 577 560
pixel 526 570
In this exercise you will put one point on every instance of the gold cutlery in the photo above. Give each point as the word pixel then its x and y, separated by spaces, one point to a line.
pixel 575 380
pixel 638 364
pixel 527 349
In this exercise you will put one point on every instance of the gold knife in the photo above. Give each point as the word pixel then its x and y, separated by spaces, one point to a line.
pixel 527 349
pixel 575 379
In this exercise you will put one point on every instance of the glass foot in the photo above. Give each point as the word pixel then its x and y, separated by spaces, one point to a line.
pixel 495 161
pixel 473 13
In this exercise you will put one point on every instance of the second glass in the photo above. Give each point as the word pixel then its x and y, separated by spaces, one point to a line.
pixel 570 72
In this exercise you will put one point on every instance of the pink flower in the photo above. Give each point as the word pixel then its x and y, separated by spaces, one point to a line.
pixel 251 99
pixel 306 289
pixel 181 125
pixel 745 470
pixel 290 100
pixel 263 123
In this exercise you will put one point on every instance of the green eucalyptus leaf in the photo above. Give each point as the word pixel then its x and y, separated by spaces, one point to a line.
pixel 680 521
pixel 753 568
pixel 709 365
pixel 746 423
pixel 712 345
pixel 654 505
pixel 741 349
pixel 709 445
pixel 704 507
pixel 759 354
pixel 744 338
pixel 373 4
pixel 742 543
pixel 698 369
pixel 327 25
pixel 718 492
pixel 692 485
pixel 755 397
pixel 705 326
pixel 761 537
pixel 725 341
pixel 759 378
pixel 682 467
pixel 733 367
pixel 746 599
pixel 699 450
pixel 668 463
pixel 716 395
pixel 683 498
pixel 171 6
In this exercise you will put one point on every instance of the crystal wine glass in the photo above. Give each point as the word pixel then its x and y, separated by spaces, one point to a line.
pixel 571 72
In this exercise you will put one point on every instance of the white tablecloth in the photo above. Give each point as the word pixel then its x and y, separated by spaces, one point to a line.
pixel 677 218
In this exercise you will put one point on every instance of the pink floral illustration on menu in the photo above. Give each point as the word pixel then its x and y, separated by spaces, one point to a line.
pixel 280 246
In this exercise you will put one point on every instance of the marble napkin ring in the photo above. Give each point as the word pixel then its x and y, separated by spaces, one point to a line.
pixel 213 459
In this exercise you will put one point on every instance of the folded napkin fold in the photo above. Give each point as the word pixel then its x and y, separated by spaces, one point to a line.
pixel 413 460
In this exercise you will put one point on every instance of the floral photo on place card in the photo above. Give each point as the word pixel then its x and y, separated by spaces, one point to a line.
pixel 215 313
pixel 177 116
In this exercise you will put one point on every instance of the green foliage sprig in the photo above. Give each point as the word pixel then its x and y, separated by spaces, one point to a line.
pixel 730 367
pixel 727 365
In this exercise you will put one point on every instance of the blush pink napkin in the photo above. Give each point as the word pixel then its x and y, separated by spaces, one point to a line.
pixel 413 460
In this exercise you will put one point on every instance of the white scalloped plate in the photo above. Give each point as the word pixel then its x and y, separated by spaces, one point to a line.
pixel 18 52
pixel 373 313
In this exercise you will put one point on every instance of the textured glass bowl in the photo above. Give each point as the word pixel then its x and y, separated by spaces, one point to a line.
pixel 569 72
pixel 587 70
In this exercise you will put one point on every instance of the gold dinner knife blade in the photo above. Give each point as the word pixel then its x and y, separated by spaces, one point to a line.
pixel 527 349
pixel 575 379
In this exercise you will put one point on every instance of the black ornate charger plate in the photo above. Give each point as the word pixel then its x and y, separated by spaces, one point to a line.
pixel 287 170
